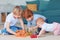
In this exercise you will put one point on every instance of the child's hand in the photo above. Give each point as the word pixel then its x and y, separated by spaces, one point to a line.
pixel 32 28
pixel 38 36
pixel 29 30
pixel 16 34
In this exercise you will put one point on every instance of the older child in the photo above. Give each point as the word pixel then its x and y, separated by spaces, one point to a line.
pixel 31 18
pixel 53 27
pixel 11 20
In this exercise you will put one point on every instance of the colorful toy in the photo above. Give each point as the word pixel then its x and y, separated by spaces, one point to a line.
pixel 22 33
pixel 33 36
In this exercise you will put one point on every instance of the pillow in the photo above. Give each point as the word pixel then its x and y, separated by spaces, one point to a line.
pixel 32 7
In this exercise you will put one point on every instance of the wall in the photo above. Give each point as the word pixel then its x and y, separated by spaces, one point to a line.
pixel 51 9
pixel 7 5
pixel 43 4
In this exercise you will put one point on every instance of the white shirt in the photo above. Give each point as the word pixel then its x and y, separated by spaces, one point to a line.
pixel 11 20
pixel 35 17
pixel 48 27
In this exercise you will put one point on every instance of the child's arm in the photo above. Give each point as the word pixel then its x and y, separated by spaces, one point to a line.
pixel 8 29
pixel 41 33
pixel 22 24
pixel 28 24
pixel 35 27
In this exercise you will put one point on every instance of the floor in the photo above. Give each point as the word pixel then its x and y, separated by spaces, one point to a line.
pixel 12 37
pixel 48 36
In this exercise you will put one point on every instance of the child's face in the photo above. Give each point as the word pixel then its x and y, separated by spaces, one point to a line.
pixel 40 22
pixel 17 15
pixel 29 19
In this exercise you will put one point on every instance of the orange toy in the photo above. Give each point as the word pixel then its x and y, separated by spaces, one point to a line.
pixel 21 33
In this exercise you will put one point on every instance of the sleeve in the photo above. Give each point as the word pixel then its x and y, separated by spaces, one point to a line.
pixel 43 28
pixel 28 24
pixel 41 16
pixel 8 19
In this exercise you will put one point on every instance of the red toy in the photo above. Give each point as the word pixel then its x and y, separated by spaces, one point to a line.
pixel 33 36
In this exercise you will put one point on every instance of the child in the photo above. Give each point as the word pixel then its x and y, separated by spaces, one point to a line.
pixel 31 18
pixel 11 19
pixel 53 27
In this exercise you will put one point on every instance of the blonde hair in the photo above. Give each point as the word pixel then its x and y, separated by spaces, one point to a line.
pixel 17 9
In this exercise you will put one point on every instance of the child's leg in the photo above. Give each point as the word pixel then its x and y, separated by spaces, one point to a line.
pixel 13 28
pixel 3 31
pixel 57 30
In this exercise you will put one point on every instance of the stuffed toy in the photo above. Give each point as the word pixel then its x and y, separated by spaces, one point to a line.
pixel 22 33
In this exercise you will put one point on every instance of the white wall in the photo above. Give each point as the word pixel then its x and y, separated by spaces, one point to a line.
pixel 17 2
pixel 14 2
pixel 6 8
pixel 7 5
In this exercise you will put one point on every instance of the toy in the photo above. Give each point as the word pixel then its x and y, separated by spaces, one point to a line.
pixel 22 33
pixel 33 36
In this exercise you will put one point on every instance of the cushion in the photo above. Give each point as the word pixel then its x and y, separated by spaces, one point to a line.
pixel 32 7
